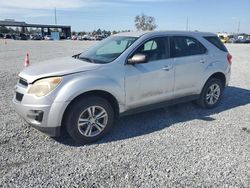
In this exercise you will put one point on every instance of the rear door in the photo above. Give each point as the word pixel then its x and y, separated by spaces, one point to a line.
pixel 189 59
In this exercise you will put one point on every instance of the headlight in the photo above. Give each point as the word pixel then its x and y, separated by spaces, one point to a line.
pixel 44 86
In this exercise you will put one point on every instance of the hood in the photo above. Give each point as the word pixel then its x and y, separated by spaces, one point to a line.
pixel 56 67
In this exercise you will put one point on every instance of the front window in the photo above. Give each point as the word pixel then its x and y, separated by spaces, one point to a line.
pixel 107 50
pixel 155 49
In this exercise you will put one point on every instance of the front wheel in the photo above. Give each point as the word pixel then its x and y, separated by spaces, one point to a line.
pixel 211 93
pixel 89 119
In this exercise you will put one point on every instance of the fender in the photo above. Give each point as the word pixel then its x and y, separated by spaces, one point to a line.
pixel 77 84
pixel 212 68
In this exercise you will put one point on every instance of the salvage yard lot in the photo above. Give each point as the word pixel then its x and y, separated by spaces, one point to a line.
pixel 179 146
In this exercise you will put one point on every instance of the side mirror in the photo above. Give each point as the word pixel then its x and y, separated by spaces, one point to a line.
pixel 137 59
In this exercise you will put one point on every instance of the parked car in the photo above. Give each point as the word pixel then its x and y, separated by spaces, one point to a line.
pixel 86 37
pixel 48 37
pixel 13 36
pixel 73 37
pixel 92 38
pixel 79 37
pixel 62 37
pixel 124 74
pixel 245 40
pixel 242 39
pixel 31 37
pixel 1 35
pixel 21 36
pixel 232 40
pixel 224 37
pixel 37 37
pixel 7 36
pixel 99 37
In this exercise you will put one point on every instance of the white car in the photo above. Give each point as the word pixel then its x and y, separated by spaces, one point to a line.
pixel 92 38
pixel 48 37
pixel 73 37
pixel 123 74
pixel 86 37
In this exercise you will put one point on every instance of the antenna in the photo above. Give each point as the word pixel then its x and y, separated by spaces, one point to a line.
pixel 55 17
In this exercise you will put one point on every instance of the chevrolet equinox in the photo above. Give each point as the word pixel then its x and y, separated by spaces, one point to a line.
pixel 123 74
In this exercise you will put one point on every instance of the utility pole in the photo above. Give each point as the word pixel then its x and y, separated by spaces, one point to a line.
pixel 238 29
pixel 187 24
pixel 55 17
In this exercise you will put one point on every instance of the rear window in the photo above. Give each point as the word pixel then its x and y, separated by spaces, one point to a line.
pixel 186 46
pixel 216 42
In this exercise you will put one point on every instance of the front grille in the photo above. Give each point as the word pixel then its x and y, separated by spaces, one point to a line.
pixel 19 96
pixel 23 82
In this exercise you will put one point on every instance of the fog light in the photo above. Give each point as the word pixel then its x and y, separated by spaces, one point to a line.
pixel 36 115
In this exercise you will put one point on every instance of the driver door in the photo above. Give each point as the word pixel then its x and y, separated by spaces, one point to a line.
pixel 153 81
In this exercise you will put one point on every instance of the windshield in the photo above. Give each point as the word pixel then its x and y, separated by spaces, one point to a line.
pixel 107 50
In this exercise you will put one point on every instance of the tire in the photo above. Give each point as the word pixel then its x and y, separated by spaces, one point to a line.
pixel 205 100
pixel 89 119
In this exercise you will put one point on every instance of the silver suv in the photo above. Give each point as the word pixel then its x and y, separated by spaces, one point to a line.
pixel 123 74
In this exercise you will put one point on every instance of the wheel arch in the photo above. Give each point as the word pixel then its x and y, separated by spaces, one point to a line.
pixel 217 75
pixel 99 93
pixel 220 76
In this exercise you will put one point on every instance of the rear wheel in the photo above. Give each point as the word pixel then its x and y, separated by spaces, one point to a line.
pixel 89 119
pixel 211 93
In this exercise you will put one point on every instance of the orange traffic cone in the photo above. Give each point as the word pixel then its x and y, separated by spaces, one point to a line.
pixel 27 60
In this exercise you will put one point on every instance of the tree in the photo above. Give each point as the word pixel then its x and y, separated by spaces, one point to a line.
pixel 114 32
pixel 99 31
pixel 144 22
pixel 82 33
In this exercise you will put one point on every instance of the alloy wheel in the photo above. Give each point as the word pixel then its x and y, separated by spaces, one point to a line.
pixel 92 121
pixel 213 94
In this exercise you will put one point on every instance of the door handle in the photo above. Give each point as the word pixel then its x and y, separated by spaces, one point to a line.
pixel 202 61
pixel 167 68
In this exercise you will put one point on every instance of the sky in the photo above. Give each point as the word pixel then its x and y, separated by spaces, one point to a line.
pixel 89 15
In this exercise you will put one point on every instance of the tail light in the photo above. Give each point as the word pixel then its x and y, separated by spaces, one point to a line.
pixel 229 59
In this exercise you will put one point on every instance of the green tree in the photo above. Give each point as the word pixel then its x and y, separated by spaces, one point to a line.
pixel 82 33
pixel 114 32
pixel 99 31
pixel 144 23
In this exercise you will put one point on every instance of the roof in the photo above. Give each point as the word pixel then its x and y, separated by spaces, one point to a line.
pixel 24 24
pixel 140 33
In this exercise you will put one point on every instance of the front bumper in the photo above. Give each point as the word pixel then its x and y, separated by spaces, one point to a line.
pixel 40 112
pixel 38 117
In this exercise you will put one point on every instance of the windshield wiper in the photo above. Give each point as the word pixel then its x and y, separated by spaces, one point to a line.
pixel 86 59
pixel 76 56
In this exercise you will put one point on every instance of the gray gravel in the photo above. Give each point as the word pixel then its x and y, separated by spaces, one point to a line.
pixel 179 146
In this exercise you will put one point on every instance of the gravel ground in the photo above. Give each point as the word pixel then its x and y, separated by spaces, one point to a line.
pixel 179 146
